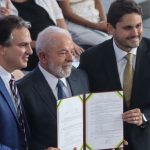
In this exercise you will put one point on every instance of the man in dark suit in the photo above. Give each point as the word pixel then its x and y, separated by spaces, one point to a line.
pixel 106 63
pixel 39 89
pixel 14 52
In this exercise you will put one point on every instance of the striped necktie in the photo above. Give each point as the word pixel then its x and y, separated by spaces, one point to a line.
pixel 16 97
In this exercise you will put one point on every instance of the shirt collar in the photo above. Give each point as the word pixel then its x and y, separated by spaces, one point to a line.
pixel 120 54
pixel 5 75
pixel 51 79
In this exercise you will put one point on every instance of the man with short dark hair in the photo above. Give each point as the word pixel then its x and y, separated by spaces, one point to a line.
pixel 122 63
pixel 14 52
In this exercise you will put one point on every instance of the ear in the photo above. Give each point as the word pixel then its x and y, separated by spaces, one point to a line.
pixel 110 29
pixel 42 57
pixel 2 50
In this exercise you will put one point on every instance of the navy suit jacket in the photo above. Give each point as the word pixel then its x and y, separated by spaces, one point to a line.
pixel 100 64
pixel 10 133
pixel 40 105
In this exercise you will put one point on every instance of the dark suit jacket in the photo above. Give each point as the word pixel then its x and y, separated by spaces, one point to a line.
pixel 40 105
pixel 10 132
pixel 100 64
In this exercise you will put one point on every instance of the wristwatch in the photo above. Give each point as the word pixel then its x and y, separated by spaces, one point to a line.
pixel 143 125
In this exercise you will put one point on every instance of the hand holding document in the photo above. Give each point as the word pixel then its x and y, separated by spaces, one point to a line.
pixel 92 121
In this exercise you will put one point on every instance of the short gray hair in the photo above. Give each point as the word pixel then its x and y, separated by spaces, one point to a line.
pixel 46 37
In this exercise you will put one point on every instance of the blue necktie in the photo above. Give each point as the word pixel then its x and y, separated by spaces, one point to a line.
pixel 60 93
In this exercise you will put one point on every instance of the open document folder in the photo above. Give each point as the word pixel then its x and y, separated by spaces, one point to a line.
pixel 91 121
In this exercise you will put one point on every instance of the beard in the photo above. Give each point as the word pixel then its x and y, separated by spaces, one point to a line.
pixel 61 71
pixel 128 43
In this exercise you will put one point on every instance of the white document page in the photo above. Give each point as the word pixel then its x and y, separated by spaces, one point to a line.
pixel 70 123
pixel 104 124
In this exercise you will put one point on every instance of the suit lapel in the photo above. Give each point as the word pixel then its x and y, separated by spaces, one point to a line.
pixel 45 92
pixel 141 59
pixel 141 68
pixel 72 80
pixel 8 99
pixel 111 66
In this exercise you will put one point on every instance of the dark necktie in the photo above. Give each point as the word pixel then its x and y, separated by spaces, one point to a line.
pixel 16 97
pixel 128 79
pixel 60 92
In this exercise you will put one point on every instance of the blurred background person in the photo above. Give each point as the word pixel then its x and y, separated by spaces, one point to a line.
pixel 41 14
pixel 6 8
pixel 86 20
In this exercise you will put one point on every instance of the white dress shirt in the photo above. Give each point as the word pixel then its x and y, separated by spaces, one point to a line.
pixel 6 76
pixel 52 82
pixel 121 60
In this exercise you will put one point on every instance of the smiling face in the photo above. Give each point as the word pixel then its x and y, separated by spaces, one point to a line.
pixel 15 56
pixel 57 59
pixel 128 31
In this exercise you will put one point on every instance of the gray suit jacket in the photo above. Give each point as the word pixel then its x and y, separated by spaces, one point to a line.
pixel 40 105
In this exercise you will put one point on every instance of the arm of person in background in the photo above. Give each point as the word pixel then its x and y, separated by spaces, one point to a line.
pixel 9 9
pixel 62 24
pixel 103 19
pixel 5 11
pixel 99 6
pixel 70 15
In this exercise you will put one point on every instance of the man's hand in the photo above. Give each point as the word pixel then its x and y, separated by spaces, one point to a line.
pixel 133 116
